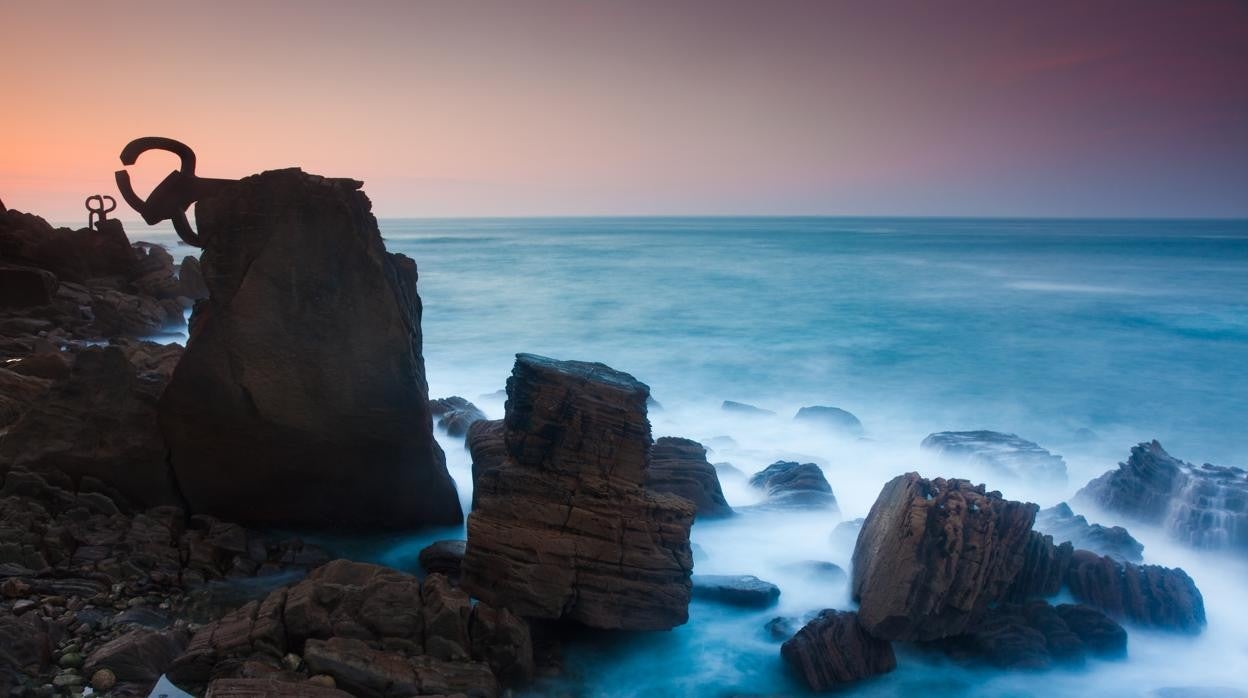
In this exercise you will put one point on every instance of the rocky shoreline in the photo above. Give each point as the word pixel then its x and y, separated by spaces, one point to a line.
pixel 139 483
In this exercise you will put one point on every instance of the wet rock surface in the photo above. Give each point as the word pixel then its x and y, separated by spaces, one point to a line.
pixel 679 466
pixel 934 554
pixel 443 557
pixel 1145 594
pixel 1006 455
pixel 563 527
pixel 455 414
pixel 834 649
pixel 744 590
pixel 795 485
pixel 301 398
pixel 834 419
pixel 1065 525
pixel 1202 507
pixel 1038 635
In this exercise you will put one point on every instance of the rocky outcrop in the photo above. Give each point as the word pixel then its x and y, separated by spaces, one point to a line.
pixel 1065 525
pixel 375 631
pixel 302 398
pixel 1044 568
pixel 487 444
pixel 1001 454
pixel 443 557
pixel 563 527
pixel 1146 594
pixel 140 656
pixel 455 414
pixel 798 485
pixel 834 419
pixel 679 466
pixel 1037 635
pixel 834 649
pixel 934 554
pixel 1203 507
pixel 191 282
pixel 26 287
pixel 745 410
pixel 100 422
pixel 744 590
pixel 72 255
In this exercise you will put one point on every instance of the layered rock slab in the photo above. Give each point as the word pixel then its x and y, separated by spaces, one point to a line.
pixel 834 649
pixel 679 466
pixel 302 397
pixel 934 554
pixel 1007 455
pixel 563 526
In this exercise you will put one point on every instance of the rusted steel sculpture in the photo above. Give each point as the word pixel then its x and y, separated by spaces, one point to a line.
pixel 170 199
pixel 99 213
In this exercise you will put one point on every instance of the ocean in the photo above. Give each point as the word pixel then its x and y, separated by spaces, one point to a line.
pixel 1085 336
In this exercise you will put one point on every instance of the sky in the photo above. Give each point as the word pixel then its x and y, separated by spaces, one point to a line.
pixel 613 107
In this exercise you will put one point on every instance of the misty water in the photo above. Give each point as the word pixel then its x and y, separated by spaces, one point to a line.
pixel 1133 330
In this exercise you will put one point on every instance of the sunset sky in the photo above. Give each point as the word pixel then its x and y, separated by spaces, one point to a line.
pixel 523 107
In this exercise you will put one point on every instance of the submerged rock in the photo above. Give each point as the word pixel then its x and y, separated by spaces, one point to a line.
pixel 1202 507
pixel 820 570
pixel 799 485
pixel 301 398
pixel 735 590
pixel 834 418
pixel 1003 454
pixel 742 408
pixel 1036 635
pixel 1064 525
pixel 835 649
pixel 934 554
pixel 679 466
pixel 563 527
pixel 455 414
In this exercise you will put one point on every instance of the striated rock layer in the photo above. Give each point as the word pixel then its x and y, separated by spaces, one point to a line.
pixel 1004 454
pixel 679 466
pixel 834 649
pixel 934 554
pixel 563 527
pixel 302 398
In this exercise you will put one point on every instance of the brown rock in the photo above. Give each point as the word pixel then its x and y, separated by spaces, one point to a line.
pixel 455 414
pixel 50 366
pixel 789 484
pixel 301 398
pixel 487 443
pixel 443 557
pixel 361 669
pixel 270 688
pixel 191 282
pixel 679 466
pixel 563 527
pixel 933 554
pixel 26 287
pixel 1146 594
pixel 140 655
pixel 1043 571
pixel 834 649
pixel 73 255
pixel 504 641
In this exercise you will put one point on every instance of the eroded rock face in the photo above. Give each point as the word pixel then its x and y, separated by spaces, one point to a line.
pixel 1163 597
pixel 933 554
pixel 73 255
pixel 1203 507
pixel 834 649
pixel 796 485
pixel 1004 454
pixel 455 414
pixel 1065 525
pixel 302 398
pixel 1038 635
pixel 563 527
pixel 679 466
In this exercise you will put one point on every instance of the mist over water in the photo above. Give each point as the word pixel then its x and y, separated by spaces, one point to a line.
pixel 1132 329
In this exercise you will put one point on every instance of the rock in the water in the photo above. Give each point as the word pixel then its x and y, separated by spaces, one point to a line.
pixel 1035 635
pixel 302 398
pixel 191 282
pixel 100 422
pixel 846 533
pixel 455 414
pixel 833 418
pixel 934 554
pixel 1004 454
pixel 745 409
pixel 735 590
pixel 792 484
pixel 1065 525
pixel 834 649
pixel 443 557
pixel 140 655
pixel 679 466
pixel 1163 597
pixel 818 570
pixel 1044 568
pixel 1203 507
pixel 564 528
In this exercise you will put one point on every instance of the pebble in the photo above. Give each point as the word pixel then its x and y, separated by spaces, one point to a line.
pixel 103 680
pixel 71 660
pixel 22 606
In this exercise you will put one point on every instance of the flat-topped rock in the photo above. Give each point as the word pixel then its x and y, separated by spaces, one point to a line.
pixel 563 526
pixel 735 590
pixel 302 399
pixel 1065 525
pixel 1003 454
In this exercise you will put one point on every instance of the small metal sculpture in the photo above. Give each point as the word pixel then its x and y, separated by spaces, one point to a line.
pixel 175 193
pixel 99 213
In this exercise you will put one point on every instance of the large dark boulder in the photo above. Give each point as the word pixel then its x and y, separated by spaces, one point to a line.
pixel 72 255
pixel 834 649
pixel 1065 525
pixel 798 485
pixel 834 419
pixel 1037 635
pixel 1162 597
pixel 455 414
pixel 26 287
pixel 1203 507
pixel 679 466
pixel 302 398
pixel 933 555
pixel 563 526
pixel 1002 454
